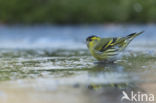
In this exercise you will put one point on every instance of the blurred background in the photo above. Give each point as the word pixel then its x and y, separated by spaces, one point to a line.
pixel 44 58
pixel 77 11
pixel 46 23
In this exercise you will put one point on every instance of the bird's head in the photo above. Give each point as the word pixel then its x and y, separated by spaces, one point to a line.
pixel 92 40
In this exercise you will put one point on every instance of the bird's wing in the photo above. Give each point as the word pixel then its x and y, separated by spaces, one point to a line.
pixel 106 44
pixel 108 47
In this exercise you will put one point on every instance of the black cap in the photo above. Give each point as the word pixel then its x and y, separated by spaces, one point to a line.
pixel 90 37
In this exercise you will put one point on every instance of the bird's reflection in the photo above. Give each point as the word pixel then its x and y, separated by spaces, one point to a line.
pixel 112 88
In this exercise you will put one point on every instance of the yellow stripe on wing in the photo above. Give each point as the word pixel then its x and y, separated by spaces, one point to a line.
pixel 108 43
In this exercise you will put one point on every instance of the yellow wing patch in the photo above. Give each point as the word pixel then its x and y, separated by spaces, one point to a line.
pixel 109 43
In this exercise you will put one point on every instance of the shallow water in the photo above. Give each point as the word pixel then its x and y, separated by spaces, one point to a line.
pixel 46 64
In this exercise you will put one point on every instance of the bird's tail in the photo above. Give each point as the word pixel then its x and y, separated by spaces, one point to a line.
pixel 128 39
pixel 133 35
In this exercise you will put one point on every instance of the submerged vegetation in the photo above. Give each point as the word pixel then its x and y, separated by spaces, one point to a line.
pixel 77 11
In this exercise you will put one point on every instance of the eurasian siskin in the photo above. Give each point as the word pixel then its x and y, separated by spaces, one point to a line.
pixel 105 49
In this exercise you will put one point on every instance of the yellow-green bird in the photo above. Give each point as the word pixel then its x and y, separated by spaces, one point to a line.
pixel 106 49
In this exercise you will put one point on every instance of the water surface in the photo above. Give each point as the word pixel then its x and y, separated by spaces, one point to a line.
pixel 51 63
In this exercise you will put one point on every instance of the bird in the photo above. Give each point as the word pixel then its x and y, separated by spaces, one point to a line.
pixel 107 49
